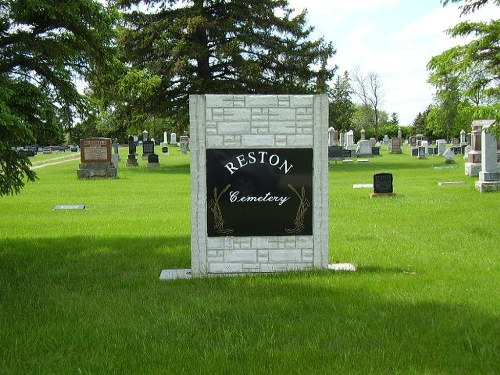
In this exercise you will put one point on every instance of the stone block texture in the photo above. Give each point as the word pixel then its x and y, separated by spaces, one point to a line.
pixel 253 121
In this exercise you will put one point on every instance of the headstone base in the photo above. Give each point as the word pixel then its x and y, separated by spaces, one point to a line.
pixel 153 165
pixel 132 161
pixel 93 170
pixel 487 186
pixel 472 169
pixel 375 195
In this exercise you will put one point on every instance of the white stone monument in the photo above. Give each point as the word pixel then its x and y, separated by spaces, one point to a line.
pixel 441 146
pixel 364 148
pixel 331 131
pixel 473 165
pixel 489 178
pixel 349 140
pixel 425 145
pixel 240 145
pixel 173 139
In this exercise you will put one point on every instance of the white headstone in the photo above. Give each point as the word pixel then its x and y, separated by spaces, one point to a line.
pixel 463 139
pixel 489 177
pixel 425 144
pixel 349 140
pixel 364 148
pixel 173 138
pixel 165 140
pixel 331 130
pixel 489 165
pixel 449 155
pixel 441 146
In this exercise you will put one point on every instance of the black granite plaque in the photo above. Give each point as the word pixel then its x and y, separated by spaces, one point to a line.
pixel 382 183
pixel 375 150
pixel 153 158
pixel 335 152
pixel 259 192
pixel 148 147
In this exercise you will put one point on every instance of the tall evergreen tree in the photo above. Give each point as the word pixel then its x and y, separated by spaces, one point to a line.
pixel 44 46
pixel 341 107
pixel 221 46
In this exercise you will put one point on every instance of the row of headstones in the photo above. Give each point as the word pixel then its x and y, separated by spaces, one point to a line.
pixel 148 149
pixel 31 151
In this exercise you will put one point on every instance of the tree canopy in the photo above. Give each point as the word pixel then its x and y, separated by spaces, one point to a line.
pixel 45 45
pixel 471 70
pixel 217 46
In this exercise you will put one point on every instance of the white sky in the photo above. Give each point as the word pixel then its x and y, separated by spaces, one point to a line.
pixel 394 38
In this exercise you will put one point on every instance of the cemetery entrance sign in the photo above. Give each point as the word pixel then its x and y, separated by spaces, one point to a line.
pixel 259 192
pixel 259 183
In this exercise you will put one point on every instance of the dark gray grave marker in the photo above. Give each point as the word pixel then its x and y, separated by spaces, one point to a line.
pixel 382 184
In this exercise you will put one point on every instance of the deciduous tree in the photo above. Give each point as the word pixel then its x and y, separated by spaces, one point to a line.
pixel 476 65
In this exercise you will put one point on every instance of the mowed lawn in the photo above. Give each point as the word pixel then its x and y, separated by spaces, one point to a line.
pixel 80 293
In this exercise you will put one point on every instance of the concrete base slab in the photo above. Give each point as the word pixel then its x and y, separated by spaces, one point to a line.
pixel 449 183
pixel 488 186
pixel 342 267
pixel 362 186
pixel 171 274
pixel 175 274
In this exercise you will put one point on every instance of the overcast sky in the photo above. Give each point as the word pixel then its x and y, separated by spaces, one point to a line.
pixel 394 38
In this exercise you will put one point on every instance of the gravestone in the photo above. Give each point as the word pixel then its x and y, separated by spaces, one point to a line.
pixel 148 148
pixel 414 151
pixel 382 184
pixel 165 140
pixel 95 157
pixel 489 176
pixel 364 148
pixel 363 134
pixel 164 150
pixel 395 146
pixel 349 140
pixel 373 142
pixel 131 159
pixel 441 146
pixel 173 139
pixel 184 140
pixel 331 130
pixel 335 153
pixel 449 156
pixel 376 150
pixel 145 135
pixel 473 165
pixel 153 160
pixel 259 178
pixel 421 152
pixel 400 134
pixel 335 137
pixel 412 141
pixel 425 145
pixel 463 138
pixel 386 139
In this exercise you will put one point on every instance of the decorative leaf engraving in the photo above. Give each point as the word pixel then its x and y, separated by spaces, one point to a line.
pixel 301 211
pixel 214 206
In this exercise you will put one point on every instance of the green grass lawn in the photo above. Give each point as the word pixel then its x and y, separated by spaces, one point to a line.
pixel 79 289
